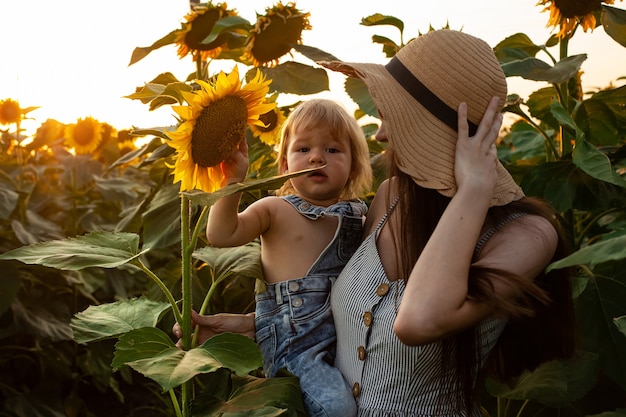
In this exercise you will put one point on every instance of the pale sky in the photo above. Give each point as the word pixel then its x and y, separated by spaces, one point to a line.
pixel 70 57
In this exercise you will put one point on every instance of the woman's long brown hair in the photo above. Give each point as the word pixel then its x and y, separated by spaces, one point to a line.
pixel 541 315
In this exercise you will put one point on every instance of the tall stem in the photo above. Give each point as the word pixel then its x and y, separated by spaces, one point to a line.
pixel 566 145
pixel 186 294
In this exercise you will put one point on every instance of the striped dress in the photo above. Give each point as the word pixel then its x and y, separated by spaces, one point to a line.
pixel 388 377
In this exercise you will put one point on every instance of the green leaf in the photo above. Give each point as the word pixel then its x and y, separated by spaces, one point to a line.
pixel 240 260
pixel 592 255
pixel 141 52
pixel 538 70
pixel 208 199
pixel 602 116
pixel 296 78
pixel 588 158
pixel 113 319
pixel 151 352
pixel 516 47
pixel 359 93
pixel 555 384
pixel 597 307
pixel 614 23
pixel 97 249
pixel 224 25
pixel 8 202
pixel 145 343
pixel 390 48
pixel 567 187
pixel 161 220
pixel 539 104
pixel 251 396
pixel 383 20
pixel 314 54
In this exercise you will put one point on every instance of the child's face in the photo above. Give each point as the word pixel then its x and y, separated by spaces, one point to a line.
pixel 315 147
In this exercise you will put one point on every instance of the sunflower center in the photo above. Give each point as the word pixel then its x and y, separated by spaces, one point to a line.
pixel 9 112
pixel 84 133
pixel 201 27
pixel 270 119
pixel 572 8
pixel 219 129
pixel 277 38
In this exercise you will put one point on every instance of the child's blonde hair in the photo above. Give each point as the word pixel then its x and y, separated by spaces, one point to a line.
pixel 341 126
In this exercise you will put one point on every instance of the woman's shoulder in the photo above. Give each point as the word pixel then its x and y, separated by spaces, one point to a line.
pixel 528 241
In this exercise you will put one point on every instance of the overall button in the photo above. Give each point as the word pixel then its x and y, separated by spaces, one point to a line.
pixel 362 353
pixel 382 289
pixel 367 318
pixel 305 206
pixel 297 302
pixel 356 389
pixel 293 286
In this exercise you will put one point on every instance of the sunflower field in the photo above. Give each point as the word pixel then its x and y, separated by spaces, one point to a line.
pixel 103 245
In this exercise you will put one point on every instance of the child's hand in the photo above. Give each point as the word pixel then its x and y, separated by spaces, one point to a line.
pixel 476 157
pixel 235 168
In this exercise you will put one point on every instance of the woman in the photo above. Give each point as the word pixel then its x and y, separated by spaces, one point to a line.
pixel 449 279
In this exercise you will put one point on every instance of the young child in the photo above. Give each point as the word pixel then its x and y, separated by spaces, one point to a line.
pixel 308 233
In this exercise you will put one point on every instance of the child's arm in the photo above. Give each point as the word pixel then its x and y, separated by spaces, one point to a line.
pixel 226 227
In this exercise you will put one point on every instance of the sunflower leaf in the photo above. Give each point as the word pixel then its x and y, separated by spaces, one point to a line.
pixel 592 255
pixel 141 52
pixel 591 160
pixel 516 47
pixel 98 249
pixel 113 319
pixel 208 199
pixel 151 352
pixel 225 24
pixel 383 20
pixel 296 78
pixel 314 54
pixel 614 23
pixel 538 70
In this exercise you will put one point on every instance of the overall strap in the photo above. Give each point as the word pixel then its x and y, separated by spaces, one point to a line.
pixel 487 235
pixel 384 218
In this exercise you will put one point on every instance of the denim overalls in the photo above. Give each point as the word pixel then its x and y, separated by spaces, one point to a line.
pixel 294 322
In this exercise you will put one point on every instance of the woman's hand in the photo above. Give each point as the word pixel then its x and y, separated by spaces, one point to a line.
pixel 211 325
pixel 476 156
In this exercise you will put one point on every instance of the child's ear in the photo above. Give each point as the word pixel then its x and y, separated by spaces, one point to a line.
pixel 282 166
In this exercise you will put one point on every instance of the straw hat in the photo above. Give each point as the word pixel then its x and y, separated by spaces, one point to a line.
pixel 419 91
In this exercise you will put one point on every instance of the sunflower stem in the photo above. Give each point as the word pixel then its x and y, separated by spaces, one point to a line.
pixel 163 287
pixel 186 293
pixel 566 146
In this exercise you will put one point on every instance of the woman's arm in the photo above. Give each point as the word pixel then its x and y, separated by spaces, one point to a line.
pixel 211 325
pixel 435 303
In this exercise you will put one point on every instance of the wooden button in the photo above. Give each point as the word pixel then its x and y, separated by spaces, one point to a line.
pixel 356 389
pixel 382 289
pixel 367 318
pixel 362 353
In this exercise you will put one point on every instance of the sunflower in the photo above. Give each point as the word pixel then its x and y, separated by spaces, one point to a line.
pixel 125 142
pixel 270 133
pixel 197 26
pixel 275 33
pixel 84 136
pixel 214 123
pixel 10 112
pixel 48 133
pixel 567 14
